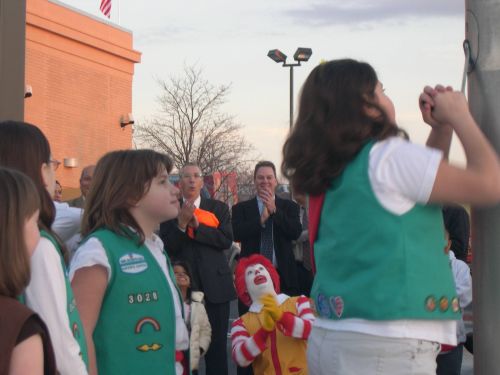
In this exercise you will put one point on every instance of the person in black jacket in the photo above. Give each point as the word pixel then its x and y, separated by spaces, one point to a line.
pixel 456 222
pixel 199 237
pixel 267 225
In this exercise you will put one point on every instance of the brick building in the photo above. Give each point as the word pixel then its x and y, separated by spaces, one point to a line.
pixel 80 69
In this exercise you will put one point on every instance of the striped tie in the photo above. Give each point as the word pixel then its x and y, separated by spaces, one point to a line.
pixel 266 240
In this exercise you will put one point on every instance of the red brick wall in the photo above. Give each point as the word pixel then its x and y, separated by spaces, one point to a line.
pixel 81 72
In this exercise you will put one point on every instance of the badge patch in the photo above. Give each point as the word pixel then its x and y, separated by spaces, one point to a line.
pixel 147 321
pixel 430 303
pixel 443 304
pixel 146 348
pixel 322 305
pixel 133 263
pixel 337 305
pixel 455 306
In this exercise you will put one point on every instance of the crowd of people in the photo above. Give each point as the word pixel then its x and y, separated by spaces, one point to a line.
pixel 352 276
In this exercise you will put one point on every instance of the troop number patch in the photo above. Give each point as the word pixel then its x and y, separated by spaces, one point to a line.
pixel 132 263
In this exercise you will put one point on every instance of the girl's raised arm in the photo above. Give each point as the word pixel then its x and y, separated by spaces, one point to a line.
pixel 479 182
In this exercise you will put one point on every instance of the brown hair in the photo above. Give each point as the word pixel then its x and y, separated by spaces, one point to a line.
pixel 121 179
pixel 18 202
pixel 25 148
pixel 332 125
pixel 264 163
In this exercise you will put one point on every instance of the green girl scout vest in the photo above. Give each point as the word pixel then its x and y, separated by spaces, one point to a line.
pixel 374 265
pixel 135 333
pixel 75 324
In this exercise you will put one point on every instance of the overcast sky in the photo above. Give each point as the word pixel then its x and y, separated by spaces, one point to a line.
pixel 410 44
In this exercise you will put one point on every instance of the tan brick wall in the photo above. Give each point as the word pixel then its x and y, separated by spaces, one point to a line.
pixel 81 72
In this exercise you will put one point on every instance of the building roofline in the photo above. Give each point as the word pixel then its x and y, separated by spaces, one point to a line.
pixel 90 15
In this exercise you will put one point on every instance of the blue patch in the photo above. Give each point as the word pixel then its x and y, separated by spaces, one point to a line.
pixel 323 306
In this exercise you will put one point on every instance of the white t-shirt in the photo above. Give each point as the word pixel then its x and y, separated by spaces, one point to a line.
pixel 401 174
pixel 463 286
pixel 46 295
pixel 92 253
pixel 67 221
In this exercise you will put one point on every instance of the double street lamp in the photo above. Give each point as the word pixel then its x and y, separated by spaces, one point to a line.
pixel 301 55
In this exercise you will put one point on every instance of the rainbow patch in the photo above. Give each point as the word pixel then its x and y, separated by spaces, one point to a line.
pixel 148 320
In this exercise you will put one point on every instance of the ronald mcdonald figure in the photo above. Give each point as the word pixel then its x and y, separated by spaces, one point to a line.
pixel 272 335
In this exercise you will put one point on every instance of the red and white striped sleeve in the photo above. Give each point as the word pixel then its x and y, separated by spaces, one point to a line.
pixel 298 326
pixel 246 348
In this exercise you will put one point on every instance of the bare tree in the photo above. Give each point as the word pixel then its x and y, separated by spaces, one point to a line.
pixel 191 126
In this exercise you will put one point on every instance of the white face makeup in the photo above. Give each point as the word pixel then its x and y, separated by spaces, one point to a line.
pixel 258 281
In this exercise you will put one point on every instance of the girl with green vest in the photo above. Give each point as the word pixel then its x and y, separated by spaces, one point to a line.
pixel 24 147
pixel 131 308
pixel 383 289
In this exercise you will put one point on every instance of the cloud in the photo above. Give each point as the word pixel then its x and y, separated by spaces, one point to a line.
pixel 158 35
pixel 356 12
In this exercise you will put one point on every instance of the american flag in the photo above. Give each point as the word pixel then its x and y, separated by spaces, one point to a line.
pixel 106 7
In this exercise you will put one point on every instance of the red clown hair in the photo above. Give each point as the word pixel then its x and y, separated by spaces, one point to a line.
pixel 239 273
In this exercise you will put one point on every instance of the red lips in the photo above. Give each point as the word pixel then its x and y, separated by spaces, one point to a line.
pixel 259 279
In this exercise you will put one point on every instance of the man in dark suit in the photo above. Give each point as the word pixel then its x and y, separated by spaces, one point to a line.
pixel 199 236
pixel 267 225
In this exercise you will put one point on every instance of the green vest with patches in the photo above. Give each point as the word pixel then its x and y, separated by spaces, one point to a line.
pixel 75 324
pixel 135 333
pixel 375 265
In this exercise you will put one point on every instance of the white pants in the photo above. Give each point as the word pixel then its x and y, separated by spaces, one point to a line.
pixel 351 353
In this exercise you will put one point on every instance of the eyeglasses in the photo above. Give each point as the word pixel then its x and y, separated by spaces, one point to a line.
pixel 55 163
pixel 188 176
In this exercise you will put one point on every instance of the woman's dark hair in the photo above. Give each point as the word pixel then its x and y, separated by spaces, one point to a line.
pixel 18 202
pixel 25 148
pixel 332 125
pixel 121 179
pixel 187 269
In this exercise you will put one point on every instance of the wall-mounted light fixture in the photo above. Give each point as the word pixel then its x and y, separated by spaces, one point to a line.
pixel 70 162
pixel 28 91
pixel 127 119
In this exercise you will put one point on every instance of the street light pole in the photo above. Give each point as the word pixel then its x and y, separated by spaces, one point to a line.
pixel 291 90
pixel 302 54
pixel 483 32
pixel 291 96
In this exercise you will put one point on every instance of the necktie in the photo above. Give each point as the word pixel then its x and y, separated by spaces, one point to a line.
pixel 306 248
pixel 266 240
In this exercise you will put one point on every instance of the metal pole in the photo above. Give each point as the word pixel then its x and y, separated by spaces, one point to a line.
pixel 12 52
pixel 291 97
pixel 483 33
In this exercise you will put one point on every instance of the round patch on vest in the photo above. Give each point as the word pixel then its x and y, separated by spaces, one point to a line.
pixel 132 263
pixel 430 303
pixel 443 304
pixel 323 306
pixel 337 305
pixel 455 306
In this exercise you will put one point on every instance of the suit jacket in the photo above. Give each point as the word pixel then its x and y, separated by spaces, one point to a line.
pixel 77 202
pixel 205 253
pixel 286 228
